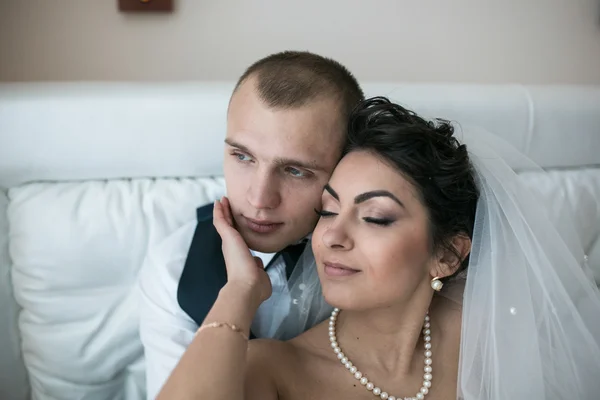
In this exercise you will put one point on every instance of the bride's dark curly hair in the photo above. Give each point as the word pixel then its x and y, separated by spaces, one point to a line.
pixel 429 156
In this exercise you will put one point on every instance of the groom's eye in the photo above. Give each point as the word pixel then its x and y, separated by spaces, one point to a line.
pixel 298 173
pixel 295 172
pixel 241 156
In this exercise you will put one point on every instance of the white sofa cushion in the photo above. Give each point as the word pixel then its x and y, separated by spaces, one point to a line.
pixel 13 377
pixel 77 249
pixel 575 192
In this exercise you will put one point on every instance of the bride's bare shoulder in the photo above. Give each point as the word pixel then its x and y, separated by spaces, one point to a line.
pixel 314 344
pixel 273 356
pixel 284 367
pixel 310 344
pixel 267 371
pixel 267 351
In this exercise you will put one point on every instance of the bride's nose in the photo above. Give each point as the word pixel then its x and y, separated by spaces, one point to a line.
pixel 338 236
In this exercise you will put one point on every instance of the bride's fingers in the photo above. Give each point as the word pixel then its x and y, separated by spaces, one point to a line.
pixel 227 210
pixel 259 262
pixel 219 218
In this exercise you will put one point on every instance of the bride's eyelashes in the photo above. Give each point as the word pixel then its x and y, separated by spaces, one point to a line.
pixel 371 220
pixel 379 221
pixel 323 213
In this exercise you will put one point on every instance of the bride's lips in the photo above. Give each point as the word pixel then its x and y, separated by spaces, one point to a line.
pixel 336 269
pixel 262 226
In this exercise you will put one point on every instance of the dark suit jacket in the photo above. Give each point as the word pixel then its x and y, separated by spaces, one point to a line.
pixel 204 272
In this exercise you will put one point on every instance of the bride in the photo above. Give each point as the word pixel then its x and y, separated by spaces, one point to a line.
pixel 436 274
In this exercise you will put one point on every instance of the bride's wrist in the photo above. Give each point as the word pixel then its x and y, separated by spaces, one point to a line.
pixel 244 292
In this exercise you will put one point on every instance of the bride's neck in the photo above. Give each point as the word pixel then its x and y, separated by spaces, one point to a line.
pixel 387 336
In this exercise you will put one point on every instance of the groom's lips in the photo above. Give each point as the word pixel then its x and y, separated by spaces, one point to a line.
pixel 262 226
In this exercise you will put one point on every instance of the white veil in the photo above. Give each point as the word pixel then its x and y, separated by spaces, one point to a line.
pixel 531 311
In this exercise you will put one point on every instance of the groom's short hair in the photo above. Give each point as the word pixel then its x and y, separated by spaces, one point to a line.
pixel 291 79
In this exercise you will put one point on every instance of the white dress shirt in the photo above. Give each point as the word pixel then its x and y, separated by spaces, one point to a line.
pixel 165 329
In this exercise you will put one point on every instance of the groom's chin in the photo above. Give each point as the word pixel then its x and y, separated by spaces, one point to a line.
pixel 263 242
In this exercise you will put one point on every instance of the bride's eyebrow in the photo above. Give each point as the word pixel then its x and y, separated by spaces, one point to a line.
pixel 376 193
pixel 332 192
pixel 365 196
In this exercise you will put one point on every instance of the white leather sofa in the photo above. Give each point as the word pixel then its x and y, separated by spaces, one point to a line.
pixel 93 174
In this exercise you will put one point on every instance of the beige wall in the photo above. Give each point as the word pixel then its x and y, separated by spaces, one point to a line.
pixel 526 41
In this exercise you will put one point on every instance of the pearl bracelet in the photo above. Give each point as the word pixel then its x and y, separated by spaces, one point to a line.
pixel 233 327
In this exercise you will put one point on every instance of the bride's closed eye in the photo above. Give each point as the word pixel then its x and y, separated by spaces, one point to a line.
pixel 323 213
pixel 379 221
pixel 371 220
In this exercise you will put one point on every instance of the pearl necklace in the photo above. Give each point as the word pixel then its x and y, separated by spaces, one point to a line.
pixel 370 386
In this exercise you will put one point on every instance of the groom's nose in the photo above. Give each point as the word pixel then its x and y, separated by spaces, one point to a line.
pixel 263 191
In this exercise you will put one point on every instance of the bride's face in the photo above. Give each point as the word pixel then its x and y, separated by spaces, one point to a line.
pixel 371 243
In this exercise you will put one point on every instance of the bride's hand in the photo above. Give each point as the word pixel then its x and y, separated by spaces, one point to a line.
pixel 243 270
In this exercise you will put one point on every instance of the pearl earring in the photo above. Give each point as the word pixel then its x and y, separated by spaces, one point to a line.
pixel 436 284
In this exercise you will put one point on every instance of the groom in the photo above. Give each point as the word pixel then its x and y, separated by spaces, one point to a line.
pixel 286 126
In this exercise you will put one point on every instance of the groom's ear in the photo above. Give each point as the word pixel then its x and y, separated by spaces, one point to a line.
pixel 450 259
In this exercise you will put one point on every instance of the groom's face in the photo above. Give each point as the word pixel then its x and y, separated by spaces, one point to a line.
pixel 276 164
